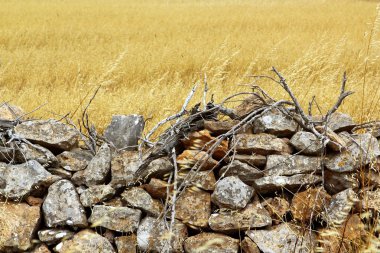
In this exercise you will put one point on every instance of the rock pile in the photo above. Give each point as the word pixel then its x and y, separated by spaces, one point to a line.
pixel 207 185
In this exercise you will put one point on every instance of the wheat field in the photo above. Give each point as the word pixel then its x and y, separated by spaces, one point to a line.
pixel 147 54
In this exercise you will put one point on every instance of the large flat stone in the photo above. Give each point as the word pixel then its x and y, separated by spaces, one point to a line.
pixel 288 165
pixel 262 144
pixel 138 198
pixel 245 172
pixel 123 168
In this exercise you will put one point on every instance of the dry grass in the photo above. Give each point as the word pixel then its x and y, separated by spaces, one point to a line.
pixel 148 54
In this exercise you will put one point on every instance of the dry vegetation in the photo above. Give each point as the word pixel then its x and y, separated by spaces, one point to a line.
pixel 148 54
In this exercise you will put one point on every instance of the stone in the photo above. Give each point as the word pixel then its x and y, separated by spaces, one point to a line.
pixel 285 237
pixel 275 122
pixel 137 197
pixel 26 152
pixel 10 112
pixel 120 219
pixel 362 150
pixel 62 173
pixel 277 208
pixel 189 158
pixel 339 208
pixel 96 194
pixel 219 127
pixel 371 200
pixel 157 188
pixel 123 168
pixel 341 122
pixel 115 202
pixel 193 208
pixel 248 246
pixel 308 205
pixel 252 160
pixel 19 181
pixel 278 183
pixel 41 248
pixel 86 241
pixel 126 244
pixel 336 182
pixel 50 134
pixel 97 169
pixel 62 207
pixel 153 236
pixel 306 143
pixel 231 192
pixel 289 165
pixel 373 129
pixel 254 215
pixel 249 104
pixel 33 201
pixel 18 224
pixel 338 141
pixel 54 235
pixel 211 243
pixel 262 144
pixel 245 172
pixel 158 168
pixel 202 179
pixel 74 160
pixel 125 131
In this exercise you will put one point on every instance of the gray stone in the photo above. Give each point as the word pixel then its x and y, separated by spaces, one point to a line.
pixel 26 152
pixel 254 215
pixel 123 168
pixel 245 172
pixel 74 160
pixel 262 144
pixel 97 170
pixel 62 173
pixel 10 112
pixel 158 168
pixel 276 123
pixel 153 236
pixel 211 243
pixel 306 143
pixel 276 183
pixel 336 182
pixel 231 192
pixel 283 238
pixel 124 131
pixel 138 198
pixel 48 133
pixel 341 122
pixel 54 235
pixel 96 194
pixel 62 206
pixel 253 160
pixel 121 219
pixel 288 165
pixel 18 181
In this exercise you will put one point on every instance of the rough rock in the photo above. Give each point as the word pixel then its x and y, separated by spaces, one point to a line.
pixel 121 219
pixel 97 170
pixel 338 141
pixel 254 215
pixel 277 208
pixel 74 160
pixel 373 129
pixel 62 206
pixel 18 181
pixel 10 112
pixel 211 243
pixel 18 223
pixel 126 244
pixel 123 168
pixel 26 152
pixel 245 172
pixel 202 179
pixel 86 241
pixel 276 123
pixel 248 246
pixel 288 165
pixel 33 201
pixel 336 182
pixel 62 173
pixel 48 133
pixel 96 194
pixel 138 198
pixel 194 208
pixel 41 248
pixel 189 158
pixel 231 192
pixel 158 168
pixel 306 143
pixel 125 130
pixel 54 235
pixel 253 160
pixel 276 183
pixel 221 127
pixel 249 105
pixel 262 144
pixel 371 200
pixel 341 122
pixel 153 236
pixel 157 188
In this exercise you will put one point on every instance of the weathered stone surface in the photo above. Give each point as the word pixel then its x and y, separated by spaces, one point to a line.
pixel 62 206
pixel 363 149
pixel 123 168
pixel 18 223
pixel 245 172
pixel 338 141
pixel 96 194
pixel 288 165
pixel 341 122
pixel 211 243
pixel 26 152
pixel 125 130
pixel 202 179
pixel 86 241
pixel 253 160
pixel 309 204
pixel 194 208
pixel 275 183
pixel 121 219
pixel 231 192
pixel 126 244
pixel 97 170
pixel 157 188
pixel 10 112
pixel 219 127
pixel 54 235
pixel 189 158
pixel 138 198
pixel 41 248
pixel 371 200
pixel 340 206
pixel 74 160
pixel 33 201
pixel 249 105
pixel 48 133
pixel 158 168
pixel 336 182
pixel 153 236
pixel 277 208
pixel 262 144
pixel 276 123
pixel 62 173
pixel 18 181
pixel 373 129
pixel 254 215
pixel 283 238
pixel 248 246
pixel 306 143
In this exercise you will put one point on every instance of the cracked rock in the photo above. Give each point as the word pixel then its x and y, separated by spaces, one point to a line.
pixel 306 143
pixel 262 144
pixel 96 194
pixel 211 243
pixel 341 122
pixel 158 168
pixel 138 198
pixel 276 123
pixel 123 168
pixel 288 165
pixel 74 160
pixel 126 244
pixel 26 152
pixel 245 172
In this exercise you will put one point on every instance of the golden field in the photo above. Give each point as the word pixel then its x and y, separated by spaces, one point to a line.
pixel 146 55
